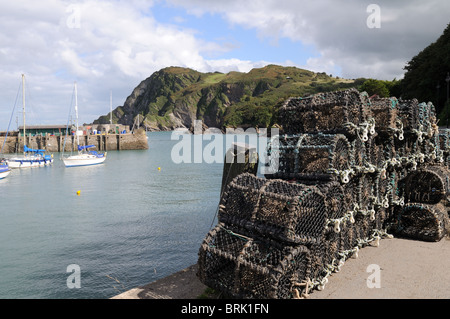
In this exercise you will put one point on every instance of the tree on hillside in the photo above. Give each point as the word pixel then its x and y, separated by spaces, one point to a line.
pixel 381 88
pixel 426 72
pixel 375 87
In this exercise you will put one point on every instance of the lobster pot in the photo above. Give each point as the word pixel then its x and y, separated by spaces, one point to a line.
pixel 365 192
pixel 321 153
pixel 241 197
pixel 427 114
pixel 405 147
pixel 422 221
pixel 408 113
pixel 388 148
pixel 444 145
pixel 387 189
pixel 241 267
pixel 379 150
pixel 348 237
pixel 366 224
pixel 385 112
pixel 361 151
pixel 321 254
pixel 283 157
pixel 284 211
pixel 313 156
pixel 324 112
pixel 428 185
pixel 444 141
pixel 429 147
pixel 335 199
pixel 351 191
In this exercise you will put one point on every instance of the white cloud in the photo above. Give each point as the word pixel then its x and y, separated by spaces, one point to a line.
pixel 103 45
pixel 114 45
pixel 338 29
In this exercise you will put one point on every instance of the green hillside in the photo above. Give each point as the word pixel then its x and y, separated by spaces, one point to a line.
pixel 174 97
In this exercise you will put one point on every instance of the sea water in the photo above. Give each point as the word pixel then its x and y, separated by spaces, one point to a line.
pixel 136 218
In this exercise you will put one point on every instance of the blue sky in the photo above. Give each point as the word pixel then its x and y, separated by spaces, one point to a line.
pixel 242 42
pixel 113 45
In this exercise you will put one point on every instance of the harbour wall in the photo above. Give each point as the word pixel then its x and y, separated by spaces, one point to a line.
pixel 53 143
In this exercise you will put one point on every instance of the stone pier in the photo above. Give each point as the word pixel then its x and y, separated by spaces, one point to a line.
pixel 53 143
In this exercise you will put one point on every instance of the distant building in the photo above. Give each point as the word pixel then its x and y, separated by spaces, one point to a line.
pixel 107 128
pixel 60 130
pixel 34 130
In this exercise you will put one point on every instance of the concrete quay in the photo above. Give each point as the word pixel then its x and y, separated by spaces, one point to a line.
pixel 408 269
pixel 53 143
pixel 181 285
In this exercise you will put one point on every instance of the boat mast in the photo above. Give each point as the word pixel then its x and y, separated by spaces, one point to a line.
pixel 23 110
pixel 76 114
pixel 110 108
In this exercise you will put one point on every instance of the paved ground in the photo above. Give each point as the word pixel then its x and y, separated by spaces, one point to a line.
pixel 407 269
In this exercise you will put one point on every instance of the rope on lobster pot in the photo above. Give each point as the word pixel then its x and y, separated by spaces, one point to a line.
pixel 419 132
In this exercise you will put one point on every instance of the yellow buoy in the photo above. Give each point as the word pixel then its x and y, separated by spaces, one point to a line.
pixel 78 193
pixel 159 168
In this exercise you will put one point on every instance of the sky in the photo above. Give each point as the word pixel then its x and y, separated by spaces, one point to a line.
pixel 109 47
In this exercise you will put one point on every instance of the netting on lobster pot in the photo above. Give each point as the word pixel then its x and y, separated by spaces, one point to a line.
pixel 427 114
pixel 320 153
pixel 216 262
pixel 366 192
pixel 348 238
pixel 351 191
pixel 366 210
pixel 279 209
pixel 408 113
pixel 334 194
pixel 406 146
pixel 241 196
pixel 444 141
pixel 241 267
pixel 428 185
pixel 286 156
pixel 324 112
pixel 374 151
pixel 327 249
pixel 385 112
pixel 422 221
pixel 312 156
pixel 361 152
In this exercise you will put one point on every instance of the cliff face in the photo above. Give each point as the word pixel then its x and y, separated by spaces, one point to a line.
pixel 175 97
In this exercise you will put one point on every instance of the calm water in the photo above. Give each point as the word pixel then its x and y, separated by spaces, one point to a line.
pixel 132 223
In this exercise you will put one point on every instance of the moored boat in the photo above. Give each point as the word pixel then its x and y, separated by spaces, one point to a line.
pixel 4 169
pixel 30 157
pixel 84 156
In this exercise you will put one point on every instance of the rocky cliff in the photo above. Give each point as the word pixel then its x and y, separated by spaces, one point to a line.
pixel 175 97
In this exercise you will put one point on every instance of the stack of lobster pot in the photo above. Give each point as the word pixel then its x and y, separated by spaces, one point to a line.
pixel 346 171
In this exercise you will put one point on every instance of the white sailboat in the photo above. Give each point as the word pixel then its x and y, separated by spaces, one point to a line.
pixel 84 156
pixel 30 157
pixel 4 169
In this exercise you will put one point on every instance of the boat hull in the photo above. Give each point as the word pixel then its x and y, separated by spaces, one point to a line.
pixel 83 160
pixel 28 162
pixel 4 173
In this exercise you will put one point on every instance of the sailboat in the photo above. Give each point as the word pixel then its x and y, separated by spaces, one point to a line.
pixel 31 157
pixel 4 169
pixel 84 156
